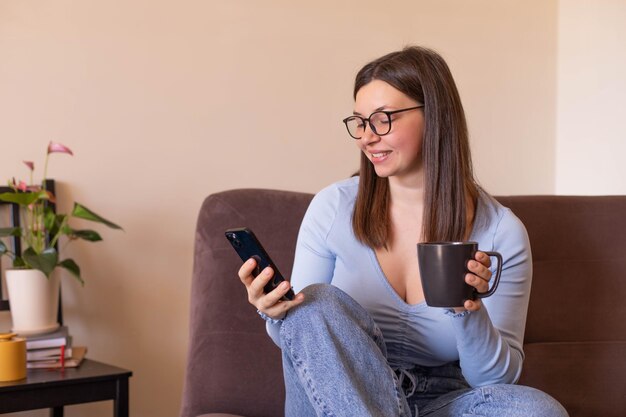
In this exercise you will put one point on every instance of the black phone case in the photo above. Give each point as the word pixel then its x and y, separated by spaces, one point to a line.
pixel 248 246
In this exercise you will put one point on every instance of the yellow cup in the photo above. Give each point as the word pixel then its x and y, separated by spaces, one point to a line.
pixel 12 357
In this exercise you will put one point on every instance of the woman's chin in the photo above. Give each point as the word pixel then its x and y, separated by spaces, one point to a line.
pixel 382 173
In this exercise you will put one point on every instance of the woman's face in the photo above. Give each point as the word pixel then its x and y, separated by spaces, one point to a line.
pixel 398 153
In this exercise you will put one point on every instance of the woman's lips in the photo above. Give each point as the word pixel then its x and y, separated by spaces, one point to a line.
pixel 378 157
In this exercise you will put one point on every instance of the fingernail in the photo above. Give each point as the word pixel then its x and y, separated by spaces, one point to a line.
pixel 267 271
pixel 284 285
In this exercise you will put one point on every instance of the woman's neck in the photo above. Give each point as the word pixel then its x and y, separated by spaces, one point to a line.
pixel 407 191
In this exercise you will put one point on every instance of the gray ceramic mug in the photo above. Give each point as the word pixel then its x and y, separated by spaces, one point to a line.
pixel 443 266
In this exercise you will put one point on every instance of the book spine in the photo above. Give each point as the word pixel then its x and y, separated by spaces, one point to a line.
pixel 46 343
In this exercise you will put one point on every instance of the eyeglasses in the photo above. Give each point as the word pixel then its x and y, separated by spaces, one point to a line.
pixel 379 121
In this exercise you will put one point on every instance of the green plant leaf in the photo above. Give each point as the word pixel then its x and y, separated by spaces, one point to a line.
pixel 49 218
pixel 3 248
pixel 83 212
pixel 18 262
pixel 53 222
pixel 45 261
pixel 23 199
pixel 90 235
pixel 10 231
pixel 73 268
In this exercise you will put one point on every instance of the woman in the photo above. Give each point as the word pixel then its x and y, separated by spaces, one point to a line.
pixel 359 340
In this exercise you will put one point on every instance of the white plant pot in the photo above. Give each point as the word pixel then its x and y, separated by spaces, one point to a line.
pixel 34 301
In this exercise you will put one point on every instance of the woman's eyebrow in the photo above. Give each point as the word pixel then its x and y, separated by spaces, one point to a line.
pixel 356 113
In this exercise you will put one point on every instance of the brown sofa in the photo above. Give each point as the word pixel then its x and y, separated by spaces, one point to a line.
pixel 575 341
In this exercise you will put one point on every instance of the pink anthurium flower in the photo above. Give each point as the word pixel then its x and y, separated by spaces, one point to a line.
pixel 57 147
pixel 42 228
pixel 34 188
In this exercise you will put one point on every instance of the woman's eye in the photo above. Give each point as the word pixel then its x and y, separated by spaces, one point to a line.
pixel 381 121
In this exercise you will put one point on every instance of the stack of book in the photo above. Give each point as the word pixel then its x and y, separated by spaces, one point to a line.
pixel 53 350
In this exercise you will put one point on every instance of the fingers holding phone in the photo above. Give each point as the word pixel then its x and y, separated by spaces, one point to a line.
pixel 274 304
pixel 267 289
pixel 246 270
pixel 255 281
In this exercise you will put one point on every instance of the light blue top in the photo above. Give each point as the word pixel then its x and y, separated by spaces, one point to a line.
pixel 488 343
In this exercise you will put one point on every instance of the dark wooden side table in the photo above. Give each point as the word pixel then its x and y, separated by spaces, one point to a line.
pixel 54 389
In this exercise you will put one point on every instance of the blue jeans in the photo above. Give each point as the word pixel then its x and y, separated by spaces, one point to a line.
pixel 334 362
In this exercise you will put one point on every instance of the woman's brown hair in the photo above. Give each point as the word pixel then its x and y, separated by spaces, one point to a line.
pixel 423 75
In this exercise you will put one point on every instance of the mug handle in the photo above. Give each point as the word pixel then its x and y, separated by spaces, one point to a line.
pixel 497 279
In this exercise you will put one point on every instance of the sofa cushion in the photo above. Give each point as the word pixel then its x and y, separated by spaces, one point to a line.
pixel 586 377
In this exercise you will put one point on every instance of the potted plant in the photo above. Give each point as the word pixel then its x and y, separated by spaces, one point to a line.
pixel 32 287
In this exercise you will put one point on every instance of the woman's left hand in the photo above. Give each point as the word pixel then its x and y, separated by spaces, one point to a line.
pixel 478 277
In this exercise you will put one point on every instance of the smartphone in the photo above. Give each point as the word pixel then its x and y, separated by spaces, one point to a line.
pixel 248 246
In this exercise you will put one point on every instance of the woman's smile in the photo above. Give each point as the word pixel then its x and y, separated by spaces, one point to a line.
pixel 379 156
pixel 397 153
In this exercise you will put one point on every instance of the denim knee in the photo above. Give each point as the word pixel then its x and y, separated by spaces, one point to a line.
pixel 545 404
pixel 320 300
pixel 328 309
pixel 532 401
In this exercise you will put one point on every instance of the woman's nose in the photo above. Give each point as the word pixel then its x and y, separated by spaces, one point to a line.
pixel 369 136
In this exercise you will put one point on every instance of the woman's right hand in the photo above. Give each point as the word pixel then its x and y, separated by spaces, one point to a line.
pixel 269 304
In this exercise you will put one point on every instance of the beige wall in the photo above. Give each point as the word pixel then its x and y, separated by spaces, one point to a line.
pixel 164 102
pixel 591 112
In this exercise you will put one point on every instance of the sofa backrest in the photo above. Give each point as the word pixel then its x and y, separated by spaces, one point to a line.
pixel 579 267
pixel 233 366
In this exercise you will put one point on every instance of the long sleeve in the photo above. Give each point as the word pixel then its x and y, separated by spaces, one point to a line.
pixel 314 262
pixel 490 340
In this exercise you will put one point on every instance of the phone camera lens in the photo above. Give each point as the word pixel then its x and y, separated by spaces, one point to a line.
pixel 237 243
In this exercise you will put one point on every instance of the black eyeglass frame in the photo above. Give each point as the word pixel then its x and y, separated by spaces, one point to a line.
pixel 372 127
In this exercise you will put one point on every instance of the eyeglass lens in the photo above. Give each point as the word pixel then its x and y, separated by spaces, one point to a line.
pixel 379 122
